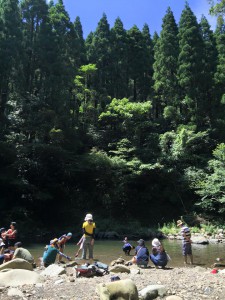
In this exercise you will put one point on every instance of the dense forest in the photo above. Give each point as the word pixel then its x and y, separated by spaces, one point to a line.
pixel 123 124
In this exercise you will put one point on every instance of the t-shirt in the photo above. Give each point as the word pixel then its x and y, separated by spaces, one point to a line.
pixel 186 234
pixel 127 245
pixel 142 253
pixel 24 254
pixel 89 228
pixel 49 255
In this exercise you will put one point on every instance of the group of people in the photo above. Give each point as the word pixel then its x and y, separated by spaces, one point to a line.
pixel 10 248
pixel 158 255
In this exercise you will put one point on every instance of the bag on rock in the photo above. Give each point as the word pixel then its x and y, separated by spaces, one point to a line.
pixel 84 271
pixel 102 266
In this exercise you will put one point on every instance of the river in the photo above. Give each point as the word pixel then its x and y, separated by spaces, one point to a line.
pixel 106 251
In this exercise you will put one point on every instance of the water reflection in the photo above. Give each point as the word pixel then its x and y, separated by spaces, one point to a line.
pixel 106 251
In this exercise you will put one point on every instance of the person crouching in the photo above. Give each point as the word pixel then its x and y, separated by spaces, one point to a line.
pixel 50 254
pixel 159 256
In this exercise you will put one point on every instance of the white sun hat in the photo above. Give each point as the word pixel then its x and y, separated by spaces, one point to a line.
pixel 88 217
pixel 156 243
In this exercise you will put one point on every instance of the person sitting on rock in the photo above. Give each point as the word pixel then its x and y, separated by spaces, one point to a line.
pixel 23 253
pixel 6 256
pixel 159 256
pixel 141 254
pixel 50 254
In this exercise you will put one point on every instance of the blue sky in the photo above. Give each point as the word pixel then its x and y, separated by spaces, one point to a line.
pixel 132 12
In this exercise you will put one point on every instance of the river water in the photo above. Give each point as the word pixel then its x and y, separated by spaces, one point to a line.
pixel 106 251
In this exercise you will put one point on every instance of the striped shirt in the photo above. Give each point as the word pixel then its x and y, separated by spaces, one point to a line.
pixel 186 234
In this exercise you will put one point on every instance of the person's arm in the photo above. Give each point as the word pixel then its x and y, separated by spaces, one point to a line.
pixel 64 255
pixel 12 233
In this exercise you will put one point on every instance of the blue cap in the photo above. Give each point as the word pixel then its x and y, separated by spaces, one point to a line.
pixel 69 234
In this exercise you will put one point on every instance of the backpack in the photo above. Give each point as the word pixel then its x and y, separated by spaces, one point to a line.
pixel 85 271
pixel 103 267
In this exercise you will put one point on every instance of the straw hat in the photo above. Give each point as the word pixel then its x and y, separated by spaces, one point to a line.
pixel 179 222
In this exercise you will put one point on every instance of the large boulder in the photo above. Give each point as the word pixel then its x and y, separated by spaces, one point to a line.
pixel 53 271
pixel 152 292
pixel 120 290
pixel 17 263
pixel 18 277
pixel 120 269
pixel 118 261
pixel 201 240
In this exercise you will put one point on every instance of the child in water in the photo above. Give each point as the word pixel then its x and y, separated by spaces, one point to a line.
pixel 127 247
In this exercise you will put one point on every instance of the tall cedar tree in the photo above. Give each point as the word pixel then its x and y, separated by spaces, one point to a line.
pixel 99 53
pixel 64 57
pixel 119 72
pixel 165 67
pixel 136 61
pixel 209 55
pixel 190 67
pixel 10 48
pixel 220 45
pixel 80 53
pixel 147 82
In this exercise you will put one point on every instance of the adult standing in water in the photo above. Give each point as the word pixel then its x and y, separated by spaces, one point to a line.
pixel 11 234
pixel 186 241
pixel 89 236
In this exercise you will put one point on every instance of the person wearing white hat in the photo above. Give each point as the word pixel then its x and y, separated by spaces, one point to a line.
pixel 89 236
pixel 159 256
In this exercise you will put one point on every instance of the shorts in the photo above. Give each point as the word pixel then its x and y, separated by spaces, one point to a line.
pixel 186 249
pixel 11 243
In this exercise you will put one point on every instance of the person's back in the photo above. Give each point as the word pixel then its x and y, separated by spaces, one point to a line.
pixel 142 253
pixel 159 255
pixel 49 255
pixel 24 254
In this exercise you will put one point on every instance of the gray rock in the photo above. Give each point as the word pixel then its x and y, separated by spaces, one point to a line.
pixel 59 281
pixel 15 292
pixel 71 264
pixel 173 298
pixel 135 271
pixel 200 269
pixel 121 289
pixel 18 277
pixel 120 269
pixel 199 240
pixel 17 263
pixel 53 271
pixel 148 291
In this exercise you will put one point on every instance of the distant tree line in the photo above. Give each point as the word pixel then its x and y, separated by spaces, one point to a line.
pixel 122 124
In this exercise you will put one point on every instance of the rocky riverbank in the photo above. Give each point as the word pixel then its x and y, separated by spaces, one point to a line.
pixel 187 283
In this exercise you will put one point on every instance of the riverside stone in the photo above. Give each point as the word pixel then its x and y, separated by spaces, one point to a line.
pixel 121 289
pixel 17 263
pixel 18 277
pixel 120 269
pixel 53 271
pixel 199 240
pixel 147 292
pixel 173 298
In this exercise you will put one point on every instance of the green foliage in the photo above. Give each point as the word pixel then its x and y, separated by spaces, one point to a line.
pixel 209 184
pixel 169 228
